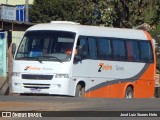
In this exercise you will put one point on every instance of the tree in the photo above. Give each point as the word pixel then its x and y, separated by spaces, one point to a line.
pixel 67 10
pixel 48 10
pixel 156 35
pixel 127 13
pixel 116 13
pixel 156 17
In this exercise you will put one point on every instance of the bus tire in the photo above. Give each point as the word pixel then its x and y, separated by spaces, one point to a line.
pixel 129 92
pixel 80 90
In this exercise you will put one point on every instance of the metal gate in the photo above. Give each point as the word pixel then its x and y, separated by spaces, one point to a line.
pixel 3 58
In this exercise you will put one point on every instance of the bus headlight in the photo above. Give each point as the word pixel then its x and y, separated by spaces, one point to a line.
pixel 16 74
pixel 62 76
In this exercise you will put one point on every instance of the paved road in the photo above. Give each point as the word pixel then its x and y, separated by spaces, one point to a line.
pixel 56 103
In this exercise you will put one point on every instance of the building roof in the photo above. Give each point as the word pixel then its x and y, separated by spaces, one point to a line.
pixel 6 25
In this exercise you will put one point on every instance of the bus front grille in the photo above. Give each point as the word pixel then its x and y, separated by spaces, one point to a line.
pixel 36 86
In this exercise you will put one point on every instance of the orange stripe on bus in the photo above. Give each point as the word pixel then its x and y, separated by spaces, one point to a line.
pixel 148 35
pixel 143 87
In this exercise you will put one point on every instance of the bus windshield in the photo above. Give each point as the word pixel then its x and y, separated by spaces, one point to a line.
pixel 46 46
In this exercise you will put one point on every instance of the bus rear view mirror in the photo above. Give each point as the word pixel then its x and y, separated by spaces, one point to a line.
pixel 13 48
pixel 77 58
pixel 81 50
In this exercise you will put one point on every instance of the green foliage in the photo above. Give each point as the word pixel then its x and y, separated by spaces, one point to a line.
pixel 158 63
pixel 116 13
pixel 88 12
pixel 156 17
pixel 155 32
pixel 48 10
pixel 67 10
pixel 129 13
pixel 156 35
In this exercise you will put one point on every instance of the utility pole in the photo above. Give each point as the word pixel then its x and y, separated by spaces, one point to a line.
pixel 6 1
pixel 26 2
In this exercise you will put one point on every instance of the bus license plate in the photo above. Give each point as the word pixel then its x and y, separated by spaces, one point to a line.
pixel 35 90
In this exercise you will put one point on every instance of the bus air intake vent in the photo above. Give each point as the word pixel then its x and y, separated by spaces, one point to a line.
pixel 36 86
pixel 37 77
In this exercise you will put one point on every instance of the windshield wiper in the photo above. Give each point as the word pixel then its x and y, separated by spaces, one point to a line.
pixel 25 58
pixel 29 58
pixel 50 57
pixel 39 58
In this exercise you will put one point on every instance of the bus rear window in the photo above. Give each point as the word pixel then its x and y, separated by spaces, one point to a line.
pixel 146 51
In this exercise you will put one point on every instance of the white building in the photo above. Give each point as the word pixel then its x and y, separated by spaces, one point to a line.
pixel 15 2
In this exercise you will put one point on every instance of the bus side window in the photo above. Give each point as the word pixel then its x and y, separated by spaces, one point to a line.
pixel 104 49
pixel 118 49
pixel 82 41
pixel 133 53
pixel 92 48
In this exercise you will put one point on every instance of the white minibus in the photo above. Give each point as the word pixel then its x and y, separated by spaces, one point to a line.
pixel 66 58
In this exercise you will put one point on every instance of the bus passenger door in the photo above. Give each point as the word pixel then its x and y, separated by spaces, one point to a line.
pixel 81 69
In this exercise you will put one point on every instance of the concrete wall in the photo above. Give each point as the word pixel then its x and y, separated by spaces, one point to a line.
pixel 3 42
pixel 17 36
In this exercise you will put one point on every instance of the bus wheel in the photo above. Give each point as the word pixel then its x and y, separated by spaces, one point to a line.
pixel 129 92
pixel 79 91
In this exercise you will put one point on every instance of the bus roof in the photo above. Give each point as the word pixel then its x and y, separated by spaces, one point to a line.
pixel 86 30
